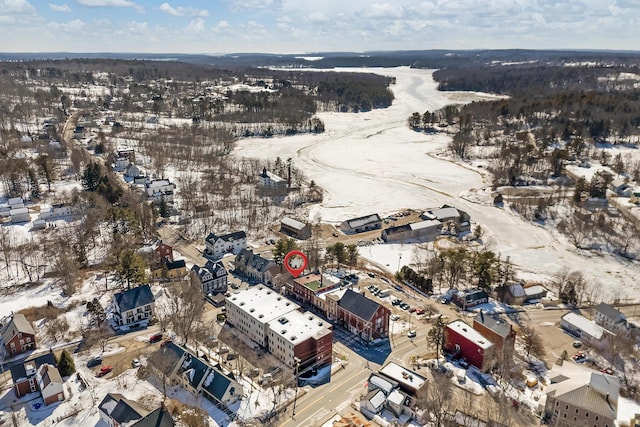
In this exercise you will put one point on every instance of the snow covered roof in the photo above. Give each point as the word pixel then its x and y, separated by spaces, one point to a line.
pixel 585 325
pixel 262 303
pixel 293 223
pixel 386 385
pixel 469 333
pixel 363 220
pixel 609 311
pixel 516 290
pixel 396 397
pixel 535 290
pixel 296 327
pixel 403 376
pixel 424 224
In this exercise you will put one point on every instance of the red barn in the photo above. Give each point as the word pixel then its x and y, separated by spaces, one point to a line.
pixel 162 251
pixel 462 340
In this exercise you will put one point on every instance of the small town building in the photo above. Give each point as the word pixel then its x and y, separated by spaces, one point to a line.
pixel 212 277
pixel 38 374
pixel 133 306
pixel 579 396
pixel 161 250
pixel 17 334
pixel 361 224
pixel 217 246
pixel 132 171
pixel 423 231
pixel 611 319
pixel 253 266
pixel 408 381
pixel 271 180
pixel 121 163
pixel 58 211
pixel 497 330
pixel 585 329
pixel 535 292
pixel 184 367
pixel 294 228
pixel 128 153
pixel 462 341
pixel 19 215
pixel 363 316
pixel 470 298
pixel 116 410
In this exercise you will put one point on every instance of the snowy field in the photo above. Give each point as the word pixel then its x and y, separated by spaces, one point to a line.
pixel 372 162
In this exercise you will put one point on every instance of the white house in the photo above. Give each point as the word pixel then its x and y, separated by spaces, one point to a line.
pixel 585 329
pixel 19 215
pixel 58 211
pixel 270 180
pixel 121 163
pixel 611 319
pixel 216 246
pixel 159 186
pixel 212 277
pixel 50 384
pixel 132 171
pixel 134 305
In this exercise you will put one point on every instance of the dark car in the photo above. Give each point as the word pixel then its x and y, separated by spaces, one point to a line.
pixel 155 338
pixel 94 361
pixel 165 342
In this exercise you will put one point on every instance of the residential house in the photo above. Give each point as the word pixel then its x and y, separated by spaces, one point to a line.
pixel 578 396
pixel 58 211
pixel 611 319
pixel 470 298
pixel 497 330
pixel 116 410
pixel 294 228
pixel 133 306
pixel 423 231
pixel 361 224
pixel 121 163
pixel 585 329
pixel 534 292
pixel 462 341
pixel 271 180
pixel 18 335
pixel 301 341
pixel 253 266
pixel 183 367
pixel 511 294
pixel 128 153
pixel 363 316
pixel 50 384
pixel 162 250
pixel 212 277
pixel 170 270
pixel 408 381
pixel 132 171
pixel 38 374
pixel 160 189
pixel 448 215
pixel 621 187
pixel 217 246
pixel 19 215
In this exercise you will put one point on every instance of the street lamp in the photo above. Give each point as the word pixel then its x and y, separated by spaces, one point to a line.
pixel 399 258
pixel 296 366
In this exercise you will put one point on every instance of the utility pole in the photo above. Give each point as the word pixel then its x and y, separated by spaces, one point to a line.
pixel 296 366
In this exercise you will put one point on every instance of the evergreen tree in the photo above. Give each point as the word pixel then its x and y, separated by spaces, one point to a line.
pixel 435 335
pixel 47 169
pixel 91 177
pixel 66 366
pixel 35 185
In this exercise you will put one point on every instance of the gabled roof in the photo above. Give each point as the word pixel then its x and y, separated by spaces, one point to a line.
pixel 358 304
pixel 293 223
pixel 237 235
pixel 609 311
pixel 216 384
pixel 134 297
pixel 49 374
pixel 584 324
pixel 158 418
pixel 599 395
pixel 216 269
pixel 120 409
pixel 20 323
pixel 18 371
pixel 174 265
pixel 255 261
pixel 363 220
pixel 494 323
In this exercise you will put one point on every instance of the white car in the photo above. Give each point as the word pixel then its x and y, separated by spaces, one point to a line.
pixel 395 317
pixel 411 333
pixel 135 363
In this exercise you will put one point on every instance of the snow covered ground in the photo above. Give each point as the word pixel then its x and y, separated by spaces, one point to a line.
pixel 372 162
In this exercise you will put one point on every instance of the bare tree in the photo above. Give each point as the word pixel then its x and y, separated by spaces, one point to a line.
pixel 436 397
pixel 185 304
pixel 532 341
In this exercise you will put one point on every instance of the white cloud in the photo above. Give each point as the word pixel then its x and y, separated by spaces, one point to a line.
pixel 6 19
pixel 317 18
pixel 74 26
pixel 183 11
pixel 238 5
pixel 111 3
pixel 221 26
pixel 59 7
pixel 383 10
pixel 16 6
pixel 195 26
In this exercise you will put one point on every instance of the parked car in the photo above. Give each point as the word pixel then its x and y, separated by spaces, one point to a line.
pixel 135 363
pixel 577 344
pixel 463 363
pixel 104 371
pixel 165 342
pixel 420 311
pixel 412 310
pixel 395 317
pixel 155 338
pixel 94 361
pixel 411 334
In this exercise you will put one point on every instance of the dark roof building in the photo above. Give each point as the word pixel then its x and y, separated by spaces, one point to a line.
pixel 363 316
pixel 19 370
pixel 134 297
pixel 470 298
pixel 118 408
pixel 361 224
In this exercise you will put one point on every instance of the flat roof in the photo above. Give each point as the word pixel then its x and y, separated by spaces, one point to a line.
pixel 311 281
pixel 424 224
pixel 293 223
pixel 296 327
pixel 584 324
pixel 262 303
pixel 469 333
pixel 403 375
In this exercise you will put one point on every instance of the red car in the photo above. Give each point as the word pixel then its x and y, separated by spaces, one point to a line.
pixel 165 342
pixel 155 338
pixel 104 371
pixel 420 311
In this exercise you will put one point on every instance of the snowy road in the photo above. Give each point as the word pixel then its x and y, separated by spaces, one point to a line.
pixel 372 162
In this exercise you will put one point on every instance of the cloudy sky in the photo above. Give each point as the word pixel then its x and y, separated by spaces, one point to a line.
pixel 297 26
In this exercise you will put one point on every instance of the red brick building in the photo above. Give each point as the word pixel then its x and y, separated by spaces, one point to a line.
pixel 307 289
pixel 25 374
pixel 462 341
pixel 18 335
pixel 497 330
pixel 162 251
pixel 362 316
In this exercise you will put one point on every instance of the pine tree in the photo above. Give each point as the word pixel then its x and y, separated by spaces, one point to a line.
pixel 91 177
pixel 66 366
pixel 35 185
